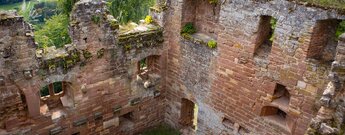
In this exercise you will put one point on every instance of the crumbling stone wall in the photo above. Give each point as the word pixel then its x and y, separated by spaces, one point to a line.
pixel 235 91
pixel 16 46
pixel 330 118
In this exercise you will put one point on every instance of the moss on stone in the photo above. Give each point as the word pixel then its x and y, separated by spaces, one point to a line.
pixel 128 47
pixel 100 53
pixel 87 55
pixel 213 1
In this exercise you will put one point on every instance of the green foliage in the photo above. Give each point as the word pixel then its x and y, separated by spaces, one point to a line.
pixel 143 64
pixel 129 10
pixel 54 32
pixel 213 1
pixel 87 55
pixel 188 28
pixel 340 29
pixel 212 44
pixel 66 6
pixel 57 87
pixel 128 47
pixel 96 19
pixel 100 53
pixel 44 91
pixel 148 19
pixel 273 23
pixel 161 130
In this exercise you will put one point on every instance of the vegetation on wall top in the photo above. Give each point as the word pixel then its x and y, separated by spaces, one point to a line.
pixel 338 4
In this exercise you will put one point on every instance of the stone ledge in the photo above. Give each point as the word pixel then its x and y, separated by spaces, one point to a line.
pixel 198 38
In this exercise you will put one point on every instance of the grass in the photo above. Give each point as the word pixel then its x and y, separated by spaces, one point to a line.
pixel 337 4
pixel 161 130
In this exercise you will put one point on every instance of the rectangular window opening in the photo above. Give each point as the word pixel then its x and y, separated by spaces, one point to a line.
pixel 189 114
pixel 324 40
pixel 265 37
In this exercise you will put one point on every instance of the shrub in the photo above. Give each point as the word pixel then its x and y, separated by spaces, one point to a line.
pixel 188 29
pixel 212 44
pixel 54 32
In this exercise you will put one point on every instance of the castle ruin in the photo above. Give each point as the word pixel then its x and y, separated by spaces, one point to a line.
pixel 258 80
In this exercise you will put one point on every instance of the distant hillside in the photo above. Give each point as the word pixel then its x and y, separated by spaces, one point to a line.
pixel 4 2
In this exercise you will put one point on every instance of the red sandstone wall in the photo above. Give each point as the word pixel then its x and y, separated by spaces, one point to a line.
pixel 238 86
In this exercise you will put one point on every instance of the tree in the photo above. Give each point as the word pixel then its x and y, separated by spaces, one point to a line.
pixel 54 32
pixel 66 6
pixel 129 10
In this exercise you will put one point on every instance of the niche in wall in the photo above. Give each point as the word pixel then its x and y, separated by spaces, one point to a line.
pixel 281 97
pixel 203 15
pixel 278 117
pixel 228 124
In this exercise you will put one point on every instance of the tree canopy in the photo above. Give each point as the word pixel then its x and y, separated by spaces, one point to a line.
pixel 54 32
pixel 129 10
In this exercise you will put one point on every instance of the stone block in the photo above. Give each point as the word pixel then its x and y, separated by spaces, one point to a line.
pixel 80 122
pixel 117 109
pixel 98 115
pixel 156 93
pixel 135 101
pixel 2 81
pixel 56 130
pixel 112 122
pixel 28 74
pixel 301 84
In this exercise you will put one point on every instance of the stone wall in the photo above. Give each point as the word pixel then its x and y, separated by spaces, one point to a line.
pixel 16 48
pixel 103 93
pixel 238 86
pixel 110 91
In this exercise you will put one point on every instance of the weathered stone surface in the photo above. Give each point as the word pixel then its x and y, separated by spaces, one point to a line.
pixel 111 122
pixel 104 83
